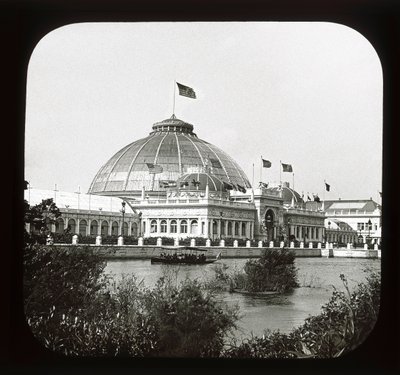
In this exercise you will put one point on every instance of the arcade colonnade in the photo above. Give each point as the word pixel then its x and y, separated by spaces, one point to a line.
pixel 308 232
pixel 198 227
pixel 94 225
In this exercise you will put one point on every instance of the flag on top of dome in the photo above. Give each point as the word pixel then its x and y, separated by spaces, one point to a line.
pixel 327 187
pixel 186 91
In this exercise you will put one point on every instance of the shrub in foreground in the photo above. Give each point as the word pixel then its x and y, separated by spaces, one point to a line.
pixel 73 309
pixel 344 323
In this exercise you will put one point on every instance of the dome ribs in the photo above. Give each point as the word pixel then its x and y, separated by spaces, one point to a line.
pixel 155 160
pixel 179 154
pixel 197 149
pixel 123 152
pixel 133 162
pixel 217 156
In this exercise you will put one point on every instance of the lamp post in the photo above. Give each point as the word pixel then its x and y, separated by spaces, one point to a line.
pixel 288 230
pixel 268 225
pixel 123 203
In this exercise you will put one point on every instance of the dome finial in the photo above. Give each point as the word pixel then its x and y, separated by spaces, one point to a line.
pixel 173 117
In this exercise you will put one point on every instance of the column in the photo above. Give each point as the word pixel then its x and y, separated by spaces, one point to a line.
pixel 226 228
pixel 206 224
pixel 130 228
pixel 88 227
pixel 219 228
pixel 109 227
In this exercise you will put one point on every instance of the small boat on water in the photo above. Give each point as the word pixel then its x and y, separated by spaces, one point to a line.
pixel 183 255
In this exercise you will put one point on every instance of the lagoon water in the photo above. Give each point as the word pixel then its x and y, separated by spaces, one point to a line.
pixel 316 276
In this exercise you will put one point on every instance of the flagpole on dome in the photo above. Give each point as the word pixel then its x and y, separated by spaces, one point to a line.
pixel 261 167
pixel 173 108
pixel 280 172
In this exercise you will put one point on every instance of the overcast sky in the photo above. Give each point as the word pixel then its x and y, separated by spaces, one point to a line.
pixel 308 94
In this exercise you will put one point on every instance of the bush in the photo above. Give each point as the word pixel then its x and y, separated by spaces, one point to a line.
pixel 73 309
pixel 344 323
pixel 273 271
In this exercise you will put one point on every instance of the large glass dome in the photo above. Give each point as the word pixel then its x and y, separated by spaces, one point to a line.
pixel 173 146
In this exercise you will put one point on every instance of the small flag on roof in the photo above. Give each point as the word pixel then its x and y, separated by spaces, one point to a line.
pixel 266 163
pixel 327 186
pixel 228 186
pixel 167 183
pixel 287 168
pixel 186 91
pixel 241 188
pixel 154 168
pixel 215 163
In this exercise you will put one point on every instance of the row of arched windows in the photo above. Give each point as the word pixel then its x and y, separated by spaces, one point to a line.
pixel 173 226
pixel 94 227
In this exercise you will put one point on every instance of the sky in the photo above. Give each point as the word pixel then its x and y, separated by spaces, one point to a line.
pixel 305 94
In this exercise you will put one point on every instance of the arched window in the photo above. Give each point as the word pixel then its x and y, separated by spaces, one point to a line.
pixel 60 225
pixel 236 229
pixel 163 226
pixel 222 227
pixel 243 229
pixel 82 227
pixel 173 227
pixel 72 226
pixel 153 226
pixel 93 228
pixel 134 229
pixel 193 227
pixel 229 228
pixel 114 229
pixel 183 226
pixel 104 228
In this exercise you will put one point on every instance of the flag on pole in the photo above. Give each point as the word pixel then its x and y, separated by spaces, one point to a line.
pixel 195 183
pixel 241 188
pixel 327 186
pixel 316 198
pixel 167 183
pixel 227 186
pixel 308 197
pixel 266 163
pixel 215 163
pixel 186 91
pixel 154 168
pixel 287 168
pixel 263 185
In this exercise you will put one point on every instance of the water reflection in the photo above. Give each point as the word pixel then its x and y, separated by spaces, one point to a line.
pixel 317 278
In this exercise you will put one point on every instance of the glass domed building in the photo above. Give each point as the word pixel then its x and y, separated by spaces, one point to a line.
pixel 171 151
pixel 181 186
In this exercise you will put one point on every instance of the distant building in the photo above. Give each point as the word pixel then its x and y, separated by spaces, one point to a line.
pixel 87 214
pixel 362 215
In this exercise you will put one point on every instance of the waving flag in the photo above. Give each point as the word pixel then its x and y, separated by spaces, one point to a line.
pixel 154 168
pixel 266 163
pixel 215 163
pixel 287 168
pixel 327 186
pixel 241 188
pixel 186 91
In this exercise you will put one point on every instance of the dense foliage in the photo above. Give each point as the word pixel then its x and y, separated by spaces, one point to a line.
pixel 73 309
pixel 344 323
pixel 273 271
